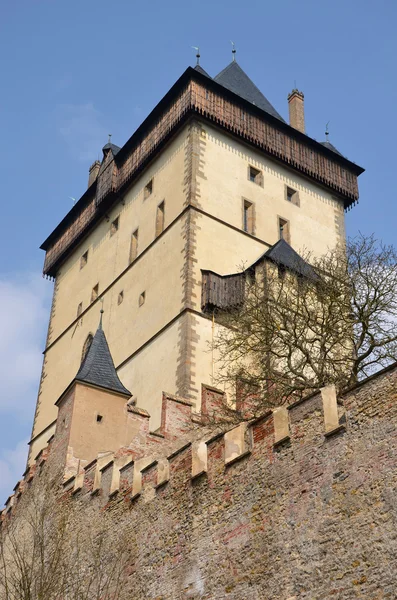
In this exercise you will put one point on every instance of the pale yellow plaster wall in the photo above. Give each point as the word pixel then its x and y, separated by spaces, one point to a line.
pixel 153 371
pixel 127 326
pixel 108 255
pixel 226 164
pixel 88 437
pixel 157 273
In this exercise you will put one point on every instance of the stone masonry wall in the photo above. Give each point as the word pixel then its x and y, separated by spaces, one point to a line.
pixel 298 505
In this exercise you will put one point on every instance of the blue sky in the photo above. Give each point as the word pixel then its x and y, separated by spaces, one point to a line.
pixel 72 72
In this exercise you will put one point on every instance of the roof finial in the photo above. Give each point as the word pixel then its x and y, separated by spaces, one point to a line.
pixel 101 312
pixel 326 131
pixel 197 53
pixel 110 138
pixel 233 50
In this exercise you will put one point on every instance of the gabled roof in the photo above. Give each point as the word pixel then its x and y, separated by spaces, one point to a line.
pixel 98 367
pixel 282 254
pixel 236 80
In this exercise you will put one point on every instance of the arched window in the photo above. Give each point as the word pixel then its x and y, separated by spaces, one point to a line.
pixel 87 346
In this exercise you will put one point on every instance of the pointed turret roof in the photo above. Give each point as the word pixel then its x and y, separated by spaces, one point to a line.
pixel 236 80
pixel 98 367
pixel 330 147
pixel 109 146
pixel 283 254
pixel 200 69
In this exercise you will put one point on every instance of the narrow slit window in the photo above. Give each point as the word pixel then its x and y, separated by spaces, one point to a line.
pixel 255 175
pixel 160 218
pixel 148 189
pixel 134 246
pixel 114 226
pixel 142 298
pixel 120 297
pixel 84 259
pixel 94 293
pixel 248 217
pixel 284 230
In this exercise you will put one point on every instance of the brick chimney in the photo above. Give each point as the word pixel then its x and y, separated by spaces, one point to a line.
pixel 93 172
pixel 296 110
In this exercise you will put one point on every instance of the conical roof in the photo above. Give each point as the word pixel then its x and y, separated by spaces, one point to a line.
pixel 236 80
pixel 98 367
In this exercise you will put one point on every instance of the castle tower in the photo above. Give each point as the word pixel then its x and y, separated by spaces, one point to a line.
pixel 211 180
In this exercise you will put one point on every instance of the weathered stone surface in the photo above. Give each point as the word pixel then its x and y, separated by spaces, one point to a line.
pixel 313 518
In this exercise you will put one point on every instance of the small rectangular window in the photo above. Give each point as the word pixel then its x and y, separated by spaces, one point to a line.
pixel 255 175
pixel 284 230
pixel 94 293
pixel 160 218
pixel 114 226
pixel 84 259
pixel 292 196
pixel 248 217
pixel 79 309
pixel 142 298
pixel 134 246
pixel 148 189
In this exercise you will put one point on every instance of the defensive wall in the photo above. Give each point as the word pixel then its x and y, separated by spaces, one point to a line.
pixel 297 504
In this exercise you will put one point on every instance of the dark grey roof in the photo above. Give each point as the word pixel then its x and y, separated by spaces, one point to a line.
pixel 330 147
pixel 98 367
pixel 200 69
pixel 234 79
pixel 282 254
pixel 111 147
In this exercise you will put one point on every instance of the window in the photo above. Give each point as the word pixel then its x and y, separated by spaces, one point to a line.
pixel 248 217
pixel 134 246
pixel 99 418
pixel 87 346
pixel 142 298
pixel 120 297
pixel 160 218
pixel 255 175
pixel 283 230
pixel 79 309
pixel 94 293
pixel 84 260
pixel 281 271
pixel 292 196
pixel 114 226
pixel 148 189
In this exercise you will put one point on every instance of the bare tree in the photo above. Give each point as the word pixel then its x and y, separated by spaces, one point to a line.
pixel 322 320
pixel 48 552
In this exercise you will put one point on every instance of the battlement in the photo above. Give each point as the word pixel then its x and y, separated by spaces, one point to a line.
pixel 186 439
pixel 254 509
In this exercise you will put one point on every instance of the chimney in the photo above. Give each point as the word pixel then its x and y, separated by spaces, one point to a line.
pixel 93 172
pixel 296 110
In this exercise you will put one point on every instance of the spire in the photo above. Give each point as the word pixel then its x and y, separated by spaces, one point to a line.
pixel 233 51
pixel 98 367
pixel 197 54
